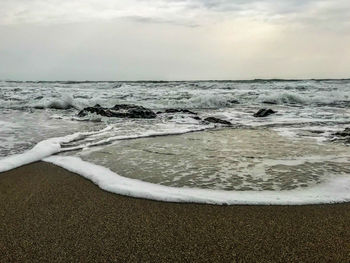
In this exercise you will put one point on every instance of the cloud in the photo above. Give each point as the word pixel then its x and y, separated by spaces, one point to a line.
pixel 142 40
pixel 67 11
pixel 316 13
pixel 321 13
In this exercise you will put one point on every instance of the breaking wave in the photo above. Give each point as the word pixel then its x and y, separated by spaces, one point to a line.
pixel 283 98
pixel 318 98
pixel 209 101
pixel 64 102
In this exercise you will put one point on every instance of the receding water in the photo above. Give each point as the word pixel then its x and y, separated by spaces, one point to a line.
pixel 229 159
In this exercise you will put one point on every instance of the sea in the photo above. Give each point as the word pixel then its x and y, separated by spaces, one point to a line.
pixel 292 157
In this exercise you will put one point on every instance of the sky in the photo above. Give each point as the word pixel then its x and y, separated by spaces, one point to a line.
pixel 174 39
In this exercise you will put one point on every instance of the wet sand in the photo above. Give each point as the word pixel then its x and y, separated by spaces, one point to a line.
pixel 50 214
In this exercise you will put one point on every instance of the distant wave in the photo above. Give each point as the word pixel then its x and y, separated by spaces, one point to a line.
pixel 318 98
pixel 210 101
pixel 282 98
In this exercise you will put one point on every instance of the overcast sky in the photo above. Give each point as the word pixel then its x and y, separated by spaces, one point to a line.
pixel 174 39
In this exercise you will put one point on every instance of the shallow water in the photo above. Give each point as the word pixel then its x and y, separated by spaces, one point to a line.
pixel 229 159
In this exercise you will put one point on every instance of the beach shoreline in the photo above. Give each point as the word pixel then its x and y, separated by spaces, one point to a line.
pixel 51 214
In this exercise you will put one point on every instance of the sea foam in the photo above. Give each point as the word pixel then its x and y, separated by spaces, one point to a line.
pixel 38 152
pixel 64 102
pixel 334 191
pixel 54 145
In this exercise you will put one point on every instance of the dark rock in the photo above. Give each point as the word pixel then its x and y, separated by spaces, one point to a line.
pixel 263 113
pixel 196 118
pixel 234 101
pixel 342 136
pixel 345 133
pixel 270 102
pixel 217 120
pixel 95 109
pixel 117 86
pixel 120 111
pixel 316 132
pixel 180 110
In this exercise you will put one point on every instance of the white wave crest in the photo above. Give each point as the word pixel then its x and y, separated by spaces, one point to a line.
pixel 282 98
pixel 210 101
pixel 66 101
pixel 319 97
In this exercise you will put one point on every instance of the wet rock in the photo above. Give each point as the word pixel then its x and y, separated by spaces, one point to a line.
pixel 117 86
pixel 342 136
pixel 270 102
pixel 345 133
pixel 263 113
pixel 120 111
pixel 234 101
pixel 180 111
pixel 196 118
pixel 316 132
pixel 217 120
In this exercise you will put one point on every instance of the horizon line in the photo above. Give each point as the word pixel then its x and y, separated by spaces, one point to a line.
pixel 194 80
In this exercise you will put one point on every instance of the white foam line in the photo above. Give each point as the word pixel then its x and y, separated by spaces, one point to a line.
pixel 39 151
pixel 336 190
pixel 130 137
pixel 54 145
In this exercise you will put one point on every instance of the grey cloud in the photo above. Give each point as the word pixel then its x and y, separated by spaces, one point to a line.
pixel 140 39
pixel 323 13
pixel 315 13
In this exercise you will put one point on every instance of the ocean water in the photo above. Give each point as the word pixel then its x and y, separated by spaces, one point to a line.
pixel 290 157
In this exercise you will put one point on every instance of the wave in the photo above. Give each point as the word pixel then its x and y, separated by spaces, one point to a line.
pixel 282 98
pixel 63 103
pixel 210 101
pixel 323 98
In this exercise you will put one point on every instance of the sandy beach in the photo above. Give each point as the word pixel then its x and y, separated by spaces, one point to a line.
pixel 50 214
